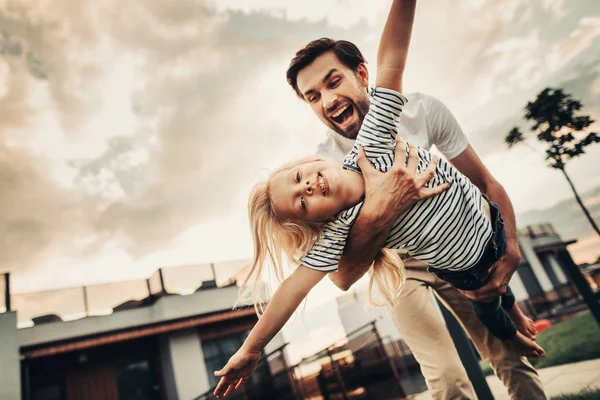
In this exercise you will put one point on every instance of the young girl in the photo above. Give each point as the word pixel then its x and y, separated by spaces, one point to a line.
pixel 305 211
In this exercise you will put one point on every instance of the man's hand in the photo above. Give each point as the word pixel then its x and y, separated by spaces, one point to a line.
pixel 390 194
pixel 387 195
pixel 236 372
pixel 497 281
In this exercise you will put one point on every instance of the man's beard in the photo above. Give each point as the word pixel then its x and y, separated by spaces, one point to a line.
pixel 361 108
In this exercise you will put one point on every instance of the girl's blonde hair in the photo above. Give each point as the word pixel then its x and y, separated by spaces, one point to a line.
pixel 277 241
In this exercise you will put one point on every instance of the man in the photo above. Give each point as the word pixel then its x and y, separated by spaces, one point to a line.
pixel 331 76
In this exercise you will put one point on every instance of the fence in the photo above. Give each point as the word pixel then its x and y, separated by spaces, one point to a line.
pixel 556 303
pixel 103 299
pixel 271 379
pixel 365 367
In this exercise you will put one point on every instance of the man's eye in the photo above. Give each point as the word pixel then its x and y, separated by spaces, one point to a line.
pixel 303 203
pixel 298 176
pixel 313 99
pixel 334 82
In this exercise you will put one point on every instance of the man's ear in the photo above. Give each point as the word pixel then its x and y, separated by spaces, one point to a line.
pixel 362 74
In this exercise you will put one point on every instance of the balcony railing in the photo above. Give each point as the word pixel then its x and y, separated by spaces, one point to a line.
pixel 540 230
pixel 74 303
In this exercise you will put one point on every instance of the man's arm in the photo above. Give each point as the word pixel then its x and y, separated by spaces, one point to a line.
pixel 470 165
pixel 387 195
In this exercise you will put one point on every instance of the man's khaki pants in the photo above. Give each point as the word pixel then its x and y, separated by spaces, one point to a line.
pixel 418 321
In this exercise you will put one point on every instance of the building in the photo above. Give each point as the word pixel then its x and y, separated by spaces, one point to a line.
pixel 151 339
pixel 540 285
pixel 161 337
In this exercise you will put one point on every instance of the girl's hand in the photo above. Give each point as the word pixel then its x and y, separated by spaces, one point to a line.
pixel 236 372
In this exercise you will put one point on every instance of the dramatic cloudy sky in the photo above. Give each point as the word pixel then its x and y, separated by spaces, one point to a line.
pixel 131 132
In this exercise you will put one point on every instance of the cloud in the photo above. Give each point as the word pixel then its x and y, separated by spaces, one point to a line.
pixel 570 222
pixel 138 132
pixel 557 7
pixel 125 126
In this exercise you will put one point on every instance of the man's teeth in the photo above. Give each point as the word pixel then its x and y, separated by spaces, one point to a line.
pixel 340 111
pixel 322 184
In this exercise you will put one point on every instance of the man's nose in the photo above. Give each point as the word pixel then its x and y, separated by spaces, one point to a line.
pixel 330 99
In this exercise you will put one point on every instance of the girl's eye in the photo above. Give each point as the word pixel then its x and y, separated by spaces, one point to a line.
pixel 298 176
pixel 303 203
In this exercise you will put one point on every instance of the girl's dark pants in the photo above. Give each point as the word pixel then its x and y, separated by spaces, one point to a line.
pixel 492 314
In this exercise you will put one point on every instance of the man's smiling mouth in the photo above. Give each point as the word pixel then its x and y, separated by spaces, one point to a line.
pixel 342 114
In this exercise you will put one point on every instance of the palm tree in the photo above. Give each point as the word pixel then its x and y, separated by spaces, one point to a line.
pixel 557 126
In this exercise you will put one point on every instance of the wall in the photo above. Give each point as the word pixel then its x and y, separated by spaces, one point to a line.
pixel 537 267
pixel 183 368
pixel 10 363
pixel 518 288
pixel 182 364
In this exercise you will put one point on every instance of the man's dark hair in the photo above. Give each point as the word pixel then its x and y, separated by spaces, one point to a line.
pixel 345 51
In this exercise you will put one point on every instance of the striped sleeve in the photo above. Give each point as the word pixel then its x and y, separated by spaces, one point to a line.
pixel 380 126
pixel 327 250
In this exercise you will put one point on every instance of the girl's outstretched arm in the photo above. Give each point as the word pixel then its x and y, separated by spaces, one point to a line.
pixel 282 305
pixel 394 44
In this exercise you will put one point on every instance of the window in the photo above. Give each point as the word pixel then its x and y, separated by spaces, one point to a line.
pixel 135 381
pixel 53 391
pixel 218 351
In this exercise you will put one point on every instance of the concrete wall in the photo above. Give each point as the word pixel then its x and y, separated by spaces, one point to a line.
pixel 183 368
pixel 182 364
pixel 166 368
pixel 10 363
pixel 165 309
pixel 560 274
pixel 518 287
pixel 537 267
pixel 357 314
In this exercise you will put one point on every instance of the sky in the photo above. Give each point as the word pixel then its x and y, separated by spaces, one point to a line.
pixel 132 132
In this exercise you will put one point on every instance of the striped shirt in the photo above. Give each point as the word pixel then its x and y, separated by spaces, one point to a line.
pixel 448 231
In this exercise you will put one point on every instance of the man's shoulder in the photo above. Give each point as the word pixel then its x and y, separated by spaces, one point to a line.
pixel 424 101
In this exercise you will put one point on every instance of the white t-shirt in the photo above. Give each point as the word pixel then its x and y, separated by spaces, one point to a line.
pixel 448 231
pixel 425 122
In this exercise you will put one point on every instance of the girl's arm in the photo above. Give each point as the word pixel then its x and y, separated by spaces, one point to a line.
pixel 393 47
pixel 282 305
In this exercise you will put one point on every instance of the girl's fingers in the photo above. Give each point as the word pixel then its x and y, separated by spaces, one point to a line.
pixel 240 383
pixel 221 386
pixel 229 390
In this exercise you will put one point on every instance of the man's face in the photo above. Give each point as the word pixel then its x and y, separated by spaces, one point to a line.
pixel 336 94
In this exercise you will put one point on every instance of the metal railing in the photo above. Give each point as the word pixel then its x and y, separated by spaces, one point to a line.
pixel 539 230
pixel 271 379
pixel 102 299
pixel 361 366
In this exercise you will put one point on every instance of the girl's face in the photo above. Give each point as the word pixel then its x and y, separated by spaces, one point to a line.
pixel 315 191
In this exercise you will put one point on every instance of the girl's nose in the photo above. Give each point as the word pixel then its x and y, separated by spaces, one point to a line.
pixel 309 188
